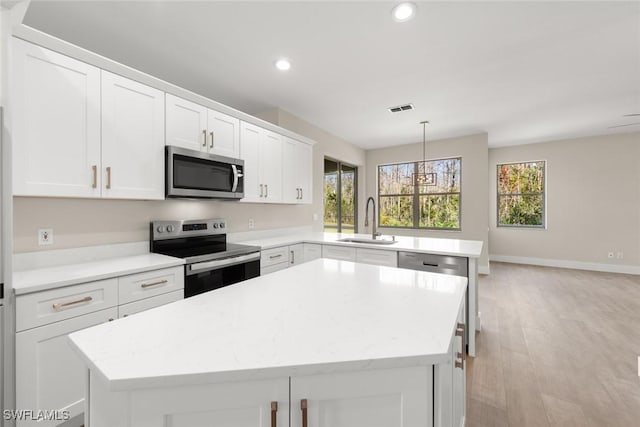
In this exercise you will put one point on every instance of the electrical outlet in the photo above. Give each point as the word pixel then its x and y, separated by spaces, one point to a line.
pixel 620 255
pixel 251 223
pixel 315 216
pixel 610 255
pixel 45 236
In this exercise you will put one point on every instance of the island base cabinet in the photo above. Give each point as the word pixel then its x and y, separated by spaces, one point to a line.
pixel 399 397
pixel 51 375
pixel 234 404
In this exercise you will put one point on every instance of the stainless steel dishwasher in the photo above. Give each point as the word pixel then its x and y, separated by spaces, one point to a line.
pixel 452 265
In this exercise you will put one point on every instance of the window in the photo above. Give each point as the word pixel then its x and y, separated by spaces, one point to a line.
pixel 521 201
pixel 340 197
pixel 435 206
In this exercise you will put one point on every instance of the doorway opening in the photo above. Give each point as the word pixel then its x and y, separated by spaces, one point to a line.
pixel 340 197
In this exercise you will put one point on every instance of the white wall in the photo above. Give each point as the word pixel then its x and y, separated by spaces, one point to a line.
pixel 593 204
pixel 474 185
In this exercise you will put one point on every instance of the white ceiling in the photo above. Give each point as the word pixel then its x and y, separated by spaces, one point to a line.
pixel 521 71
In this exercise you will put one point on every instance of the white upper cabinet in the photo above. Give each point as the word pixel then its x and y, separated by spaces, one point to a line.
pixel 261 151
pixel 56 124
pixel 297 158
pixel 186 124
pixel 193 126
pixel 132 139
pixel 224 134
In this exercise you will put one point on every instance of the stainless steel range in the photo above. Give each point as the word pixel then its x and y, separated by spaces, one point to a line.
pixel 211 262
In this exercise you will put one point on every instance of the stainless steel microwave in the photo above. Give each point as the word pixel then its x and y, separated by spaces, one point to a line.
pixel 194 174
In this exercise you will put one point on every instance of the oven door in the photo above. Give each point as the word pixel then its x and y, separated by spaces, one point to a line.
pixel 209 275
pixel 191 173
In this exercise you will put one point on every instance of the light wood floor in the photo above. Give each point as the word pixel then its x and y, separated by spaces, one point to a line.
pixel 558 347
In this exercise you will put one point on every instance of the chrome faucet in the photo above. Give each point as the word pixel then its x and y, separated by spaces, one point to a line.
pixel 374 234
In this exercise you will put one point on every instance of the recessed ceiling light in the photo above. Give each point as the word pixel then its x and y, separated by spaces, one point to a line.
pixel 283 64
pixel 404 11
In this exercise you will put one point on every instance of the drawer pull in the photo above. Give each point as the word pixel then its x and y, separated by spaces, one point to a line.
pixel 274 412
pixel 94 169
pixel 429 264
pixel 275 256
pixel 66 304
pixel 303 407
pixel 159 282
pixel 460 332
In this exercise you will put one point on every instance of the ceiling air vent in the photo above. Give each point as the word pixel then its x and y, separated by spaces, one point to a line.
pixel 400 108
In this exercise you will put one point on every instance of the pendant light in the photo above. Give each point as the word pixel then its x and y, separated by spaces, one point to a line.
pixel 424 178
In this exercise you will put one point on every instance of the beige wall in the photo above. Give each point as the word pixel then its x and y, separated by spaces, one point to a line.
pixel 475 193
pixel 593 201
pixel 88 222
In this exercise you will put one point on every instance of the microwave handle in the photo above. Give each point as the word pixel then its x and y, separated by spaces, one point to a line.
pixel 236 175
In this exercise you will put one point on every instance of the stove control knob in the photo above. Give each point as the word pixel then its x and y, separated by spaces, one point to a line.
pixel 222 225
pixel 160 229
pixel 215 225
pixel 170 228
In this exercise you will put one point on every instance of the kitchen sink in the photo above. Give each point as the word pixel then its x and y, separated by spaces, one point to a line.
pixel 367 241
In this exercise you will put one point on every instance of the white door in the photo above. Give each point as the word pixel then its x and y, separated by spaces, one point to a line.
pixel 56 124
pixel 290 181
pixel 49 374
pixel 186 125
pixel 379 398
pixel 304 164
pixel 224 134
pixel 271 166
pixel 296 254
pixel 250 141
pixel 132 139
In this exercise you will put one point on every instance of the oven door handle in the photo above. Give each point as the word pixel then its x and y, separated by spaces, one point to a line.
pixel 219 263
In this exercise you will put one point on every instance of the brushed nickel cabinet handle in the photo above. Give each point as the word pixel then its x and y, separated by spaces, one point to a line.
pixel 204 135
pixel 159 282
pixel 293 257
pixel 108 177
pixel 261 188
pixel 211 145
pixel 460 332
pixel 66 304
pixel 266 190
pixel 94 169
pixel 303 407
pixel 274 413
pixel 301 194
pixel 275 256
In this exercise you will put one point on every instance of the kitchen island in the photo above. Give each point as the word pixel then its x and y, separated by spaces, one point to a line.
pixel 325 343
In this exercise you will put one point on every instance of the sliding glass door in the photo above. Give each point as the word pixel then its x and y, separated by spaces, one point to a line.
pixel 340 197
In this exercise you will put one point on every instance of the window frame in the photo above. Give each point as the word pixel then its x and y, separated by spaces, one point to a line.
pixel 543 226
pixel 415 211
pixel 338 226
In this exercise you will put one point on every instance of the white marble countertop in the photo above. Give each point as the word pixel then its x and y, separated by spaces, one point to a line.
pixel 455 247
pixel 40 279
pixel 317 317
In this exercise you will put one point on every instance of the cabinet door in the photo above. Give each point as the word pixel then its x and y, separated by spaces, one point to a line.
pixel 312 251
pixel 126 310
pixel 250 137
pixel 380 398
pixel 339 252
pixel 271 166
pixel 132 139
pixel 296 254
pixel 290 182
pixel 56 124
pixel 459 376
pixel 224 134
pixel 304 163
pixel 186 125
pixel 377 257
pixel 49 374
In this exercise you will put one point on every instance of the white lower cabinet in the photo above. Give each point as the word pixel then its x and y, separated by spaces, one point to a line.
pixel 377 257
pixel 149 303
pixel 339 252
pixel 312 251
pixel 296 254
pixel 276 259
pixel 273 268
pixel 49 374
pixel 380 398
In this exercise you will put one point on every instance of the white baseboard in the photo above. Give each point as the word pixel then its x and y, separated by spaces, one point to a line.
pixel 577 265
